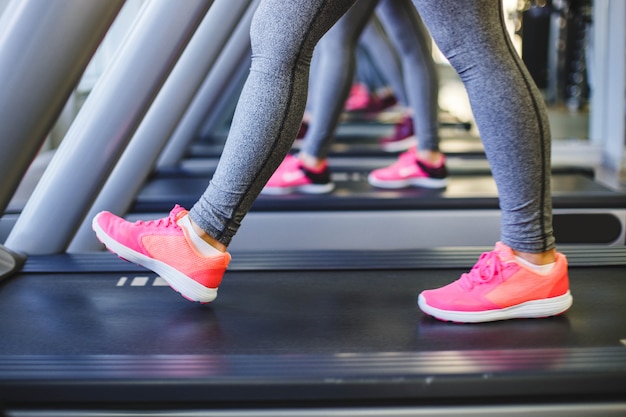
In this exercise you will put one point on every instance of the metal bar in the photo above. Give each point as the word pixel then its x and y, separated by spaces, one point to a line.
pixel 608 101
pixel 45 47
pixel 138 159
pixel 104 126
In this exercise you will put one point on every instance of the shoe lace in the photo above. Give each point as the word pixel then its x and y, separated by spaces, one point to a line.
pixel 488 267
pixel 170 220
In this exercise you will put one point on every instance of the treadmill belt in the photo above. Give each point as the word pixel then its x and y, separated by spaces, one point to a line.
pixel 283 312
pixel 344 334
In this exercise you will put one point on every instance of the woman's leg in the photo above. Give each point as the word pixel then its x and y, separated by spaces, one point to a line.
pixel 188 249
pixel 336 54
pixel 269 111
pixel 335 61
pixel 421 81
pixel 385 57
pixel 423 166
pixel 509 111
pixel 524 276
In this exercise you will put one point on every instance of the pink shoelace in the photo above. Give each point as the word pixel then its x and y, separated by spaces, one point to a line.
pixel 488 267
pixel 170 220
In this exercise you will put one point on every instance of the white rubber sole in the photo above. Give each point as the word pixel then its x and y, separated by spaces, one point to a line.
pixel 187 287
pixel 433 183
pixel 306 189
pixel 531 309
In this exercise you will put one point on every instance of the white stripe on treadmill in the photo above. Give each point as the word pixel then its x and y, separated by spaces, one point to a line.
pixel 121 282
pixel 160 282
pixel 139 282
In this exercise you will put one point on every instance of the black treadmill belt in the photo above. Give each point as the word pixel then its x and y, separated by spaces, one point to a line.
pixel 284 312
pixel 344 335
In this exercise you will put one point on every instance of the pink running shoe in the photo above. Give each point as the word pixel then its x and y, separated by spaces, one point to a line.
pixel 409 171
pixel 161 246
pixel 403 137
pixel 291 176
pixel 499 288
pixel 359 98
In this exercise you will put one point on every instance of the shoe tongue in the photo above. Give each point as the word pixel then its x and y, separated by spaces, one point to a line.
pixel 316 170
pixel 178 212
pixel 410 155
pixel 504 252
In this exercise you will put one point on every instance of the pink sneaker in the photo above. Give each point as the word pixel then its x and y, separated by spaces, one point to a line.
pixel 403 137
pixel 409 171
pixel 161 246
pixel 359 98
pixel 499 288
pixel 291 176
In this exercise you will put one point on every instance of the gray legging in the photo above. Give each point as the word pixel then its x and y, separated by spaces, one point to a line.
pixel 378 64
pixel 336 55
pixel 507 106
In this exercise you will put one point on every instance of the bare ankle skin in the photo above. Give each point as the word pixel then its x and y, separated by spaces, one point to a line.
pixel 208 239
pixel 310 161
pixel 542 258
pixel 432 157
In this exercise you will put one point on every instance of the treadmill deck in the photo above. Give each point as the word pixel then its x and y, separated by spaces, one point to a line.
pixel 287 334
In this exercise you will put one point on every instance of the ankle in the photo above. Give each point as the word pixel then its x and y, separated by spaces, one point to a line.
pixel 205 237
pixel 542 258
pixel 311 162
pixel 434 158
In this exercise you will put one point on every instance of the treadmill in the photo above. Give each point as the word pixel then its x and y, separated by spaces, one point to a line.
pixel 303 334
pixel 90 335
